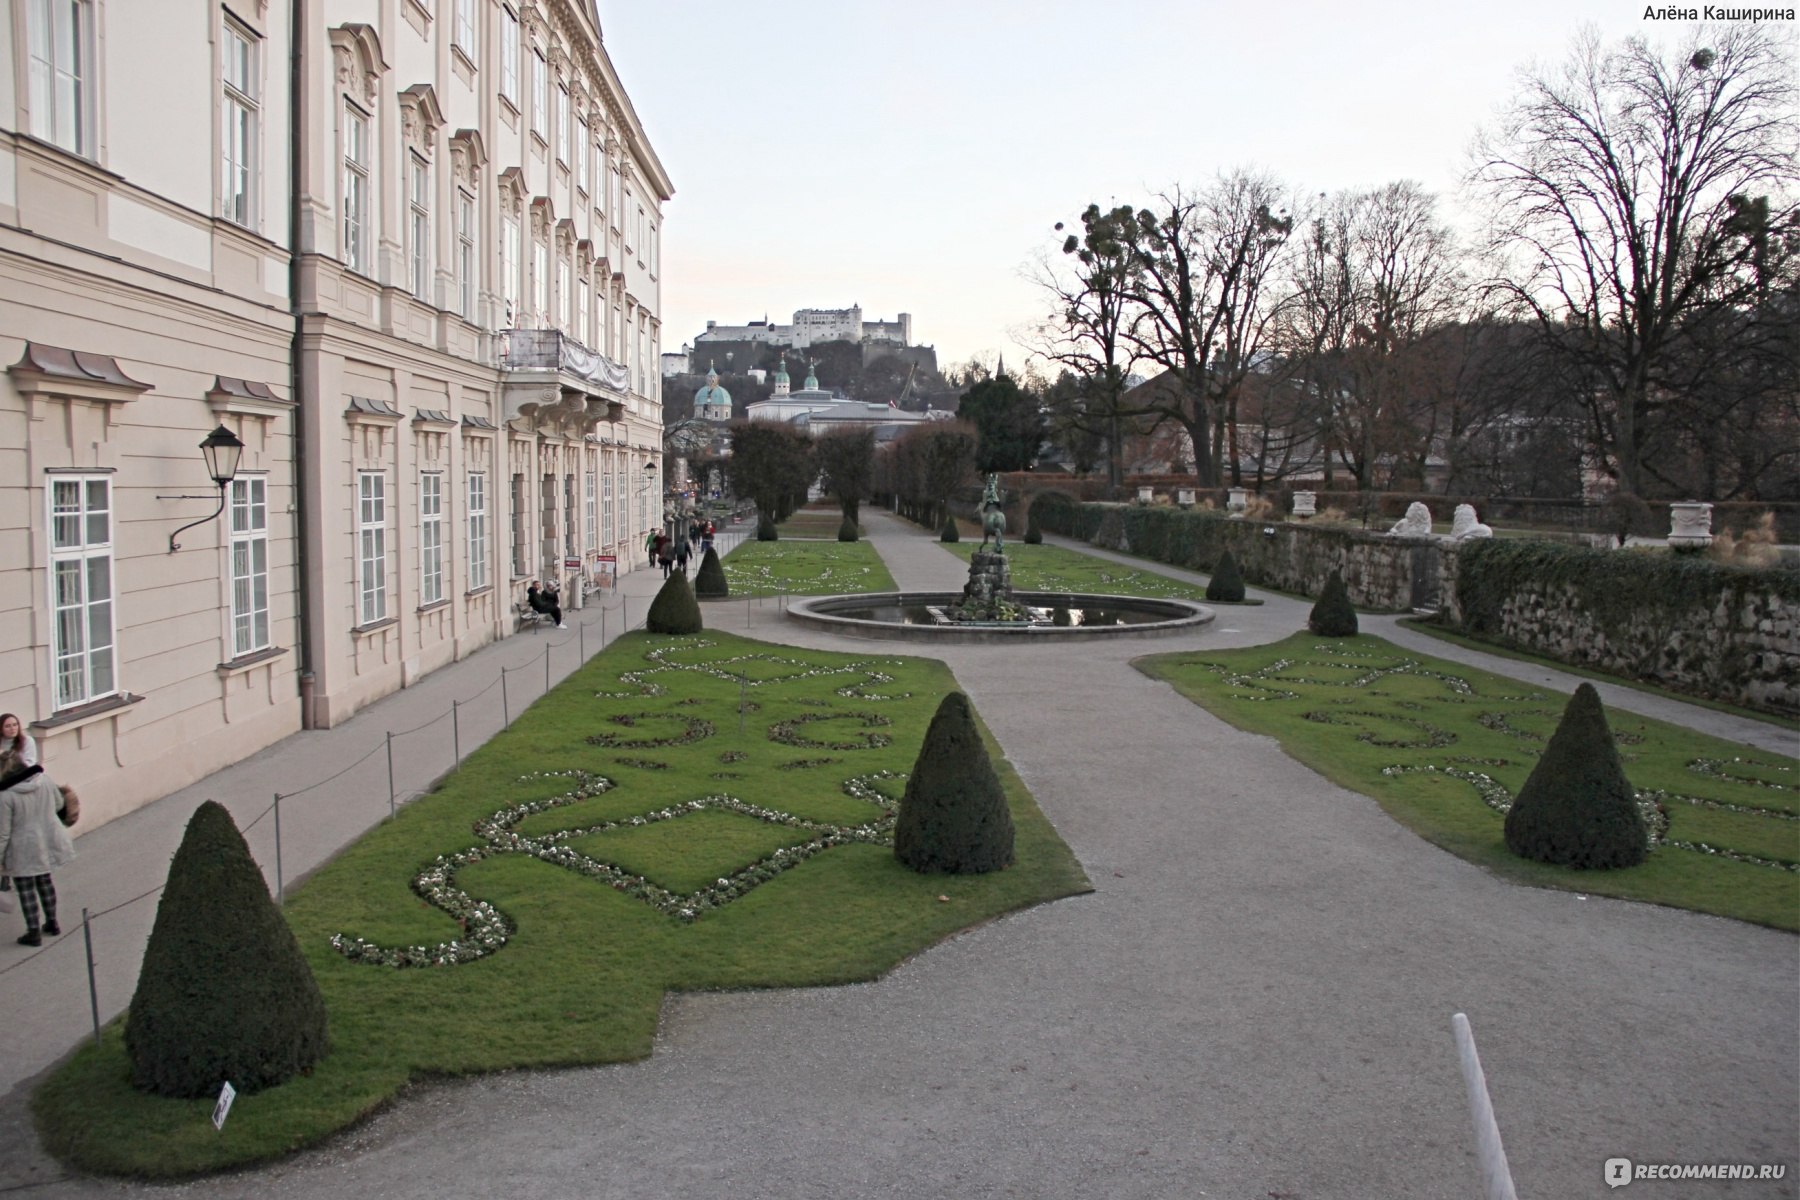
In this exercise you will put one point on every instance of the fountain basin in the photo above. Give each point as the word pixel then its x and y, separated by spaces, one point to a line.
pixel 910 616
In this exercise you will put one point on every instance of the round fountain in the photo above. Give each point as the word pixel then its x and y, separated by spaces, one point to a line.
pixel 988 610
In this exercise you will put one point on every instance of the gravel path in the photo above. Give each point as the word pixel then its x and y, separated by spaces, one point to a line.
pixel 1254 1003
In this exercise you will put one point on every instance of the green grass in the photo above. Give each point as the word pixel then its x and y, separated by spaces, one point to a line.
pixel 1046 568
pixel 814 523
pixel 1431 628
pixel 821 568
pixel 1427 739
pixel 583 966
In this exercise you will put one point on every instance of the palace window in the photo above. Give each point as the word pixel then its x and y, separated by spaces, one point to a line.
pixel 465 255
pixel 509 54
pixel 431 538
pixel 249 565
pixel 371 545
pixel 81 589
pixel 60 35
pixel 356 191
pixel 239 100
pixel 418 196
pixel 478 530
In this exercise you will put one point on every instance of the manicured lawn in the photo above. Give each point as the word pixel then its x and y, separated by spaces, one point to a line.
pixel 1045 568
pixel 1443 748
pixel 682 813
pixel 813 523
pixel 756 568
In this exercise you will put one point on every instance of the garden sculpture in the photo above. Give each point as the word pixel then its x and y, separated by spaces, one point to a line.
pixel 993 520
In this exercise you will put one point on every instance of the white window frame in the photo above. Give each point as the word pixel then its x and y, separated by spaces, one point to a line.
pixel 418 226
pixel 540 95
pixel 356 190
pixel 592 525
pixel 509 55
pixel 249 564
pixel 431 537
pixel 571 534
pixel 465 255
pixel 509 270
pixel 563 122
pixel 540 282
pixel 83 621
pixel 240 120
pixel 584 311
pixel 463 37
pixel 582 136
pixel 606 508
pixel 521 528
pixel 59 48
pixel 565 296
pixel 478 530
pixel 371 547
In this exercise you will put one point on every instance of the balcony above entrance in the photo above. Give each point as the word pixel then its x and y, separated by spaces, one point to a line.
pixel 551 383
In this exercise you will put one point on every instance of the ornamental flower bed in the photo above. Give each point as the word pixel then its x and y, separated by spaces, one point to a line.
pixel 1445 749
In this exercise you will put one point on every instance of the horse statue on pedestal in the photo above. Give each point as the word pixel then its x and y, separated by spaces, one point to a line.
pixel 993 519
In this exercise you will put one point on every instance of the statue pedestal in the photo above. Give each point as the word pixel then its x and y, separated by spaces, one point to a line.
pixel 988 596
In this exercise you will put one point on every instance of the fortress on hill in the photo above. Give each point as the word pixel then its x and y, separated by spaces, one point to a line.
pixel 813 325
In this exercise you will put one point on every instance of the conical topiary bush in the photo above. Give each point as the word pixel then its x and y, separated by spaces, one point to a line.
pixel 953 817
pixel 1577 809
pixel 765 528
pixel 1333 615
pixel 675 610
pixel 224 994
pixel 709 580
pixel 1227 584
pixel 949 532
pixel 1033 535
pixel 847 529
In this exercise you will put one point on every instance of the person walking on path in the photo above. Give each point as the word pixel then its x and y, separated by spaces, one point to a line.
pixel 682 551
pixel 650 546
pixel 33 843
pixel 665 553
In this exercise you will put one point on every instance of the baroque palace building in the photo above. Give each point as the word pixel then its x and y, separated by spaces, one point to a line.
pixel 407 252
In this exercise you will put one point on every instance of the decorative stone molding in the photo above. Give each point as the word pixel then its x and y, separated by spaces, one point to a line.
pixel 543 216
pixel 356 54
pixel 468 155
pixel 565 236
pixel 420 118
pixel 1306 504
pixel 512 191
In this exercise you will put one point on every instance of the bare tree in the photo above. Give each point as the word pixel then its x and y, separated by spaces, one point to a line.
pixel 1199 308
pixel 1092 294
pixel 1615 181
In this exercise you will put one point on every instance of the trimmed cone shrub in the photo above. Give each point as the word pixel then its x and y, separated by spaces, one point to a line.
pixel 949 533
pixel 765 528
pixel 953 816
pixel 1033 535
pixel 709 580
pixel 847 530
pixel 224 994
pixel 1577 809
pixel 675 610
pixel 1227 583
pixel 1061 617
pixel 1333 615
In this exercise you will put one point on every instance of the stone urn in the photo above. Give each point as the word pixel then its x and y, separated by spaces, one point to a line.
pixel 1306 504
pixel 1237 500
pixel 1690 525
pixel 1144 494
pixel 1184 497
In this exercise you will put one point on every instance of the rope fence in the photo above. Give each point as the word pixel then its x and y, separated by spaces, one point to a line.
pixel 433 767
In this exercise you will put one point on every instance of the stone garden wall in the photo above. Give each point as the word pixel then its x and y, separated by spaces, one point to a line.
pixel 1677 620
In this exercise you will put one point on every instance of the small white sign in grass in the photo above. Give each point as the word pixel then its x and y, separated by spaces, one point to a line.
pixel 222 1109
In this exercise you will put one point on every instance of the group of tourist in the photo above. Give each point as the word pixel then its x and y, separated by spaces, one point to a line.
pixel 673 553
pixel 34 838
pixel 546 599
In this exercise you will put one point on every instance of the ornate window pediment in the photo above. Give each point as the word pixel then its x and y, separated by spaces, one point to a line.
pixel 512 190
pixel 468 155
pixel 420 117
pixel 356 55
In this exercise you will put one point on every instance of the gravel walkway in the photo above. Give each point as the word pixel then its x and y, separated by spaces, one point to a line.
pixel 1255 1003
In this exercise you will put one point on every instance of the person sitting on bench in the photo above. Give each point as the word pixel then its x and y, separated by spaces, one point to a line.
pixel 545 602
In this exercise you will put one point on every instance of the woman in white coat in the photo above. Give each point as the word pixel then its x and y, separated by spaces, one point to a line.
pixel 33 843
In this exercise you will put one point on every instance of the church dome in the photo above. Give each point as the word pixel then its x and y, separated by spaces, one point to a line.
pixel 711 396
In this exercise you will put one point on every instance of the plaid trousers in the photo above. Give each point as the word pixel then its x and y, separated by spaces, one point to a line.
pixel 32 889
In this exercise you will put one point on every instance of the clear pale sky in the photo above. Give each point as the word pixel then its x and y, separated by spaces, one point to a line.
pixel 913 156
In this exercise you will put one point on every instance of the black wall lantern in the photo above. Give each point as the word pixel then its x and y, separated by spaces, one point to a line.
pixel 222 450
